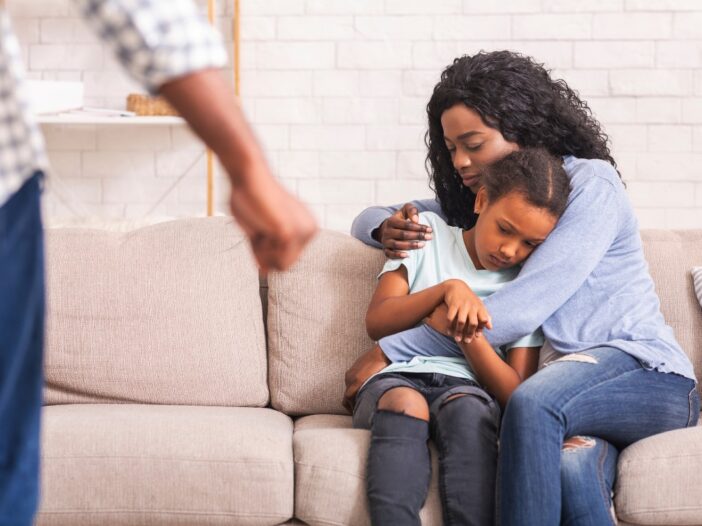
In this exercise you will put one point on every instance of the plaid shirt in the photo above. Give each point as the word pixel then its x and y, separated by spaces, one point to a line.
pixel 155 40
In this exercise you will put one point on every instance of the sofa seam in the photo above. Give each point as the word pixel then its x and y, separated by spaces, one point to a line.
pixel 658 510
pixel 174 459
pixel 320 520
pixel 316 467
pixel 656 459
pixel 160 512
pixel 264 327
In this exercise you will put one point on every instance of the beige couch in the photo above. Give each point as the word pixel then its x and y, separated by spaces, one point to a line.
pixel 168 401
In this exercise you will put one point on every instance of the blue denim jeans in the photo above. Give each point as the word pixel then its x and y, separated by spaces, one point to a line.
pixel 587 478
pixel 465 431
pixel 21 340
pixel 603 393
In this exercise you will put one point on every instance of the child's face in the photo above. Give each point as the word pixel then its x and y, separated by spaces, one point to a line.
pixel 508 230
pixel 472 144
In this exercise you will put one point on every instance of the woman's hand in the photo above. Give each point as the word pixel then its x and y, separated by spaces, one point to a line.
pixel 366 366
pixel 402 231
pixel 465 313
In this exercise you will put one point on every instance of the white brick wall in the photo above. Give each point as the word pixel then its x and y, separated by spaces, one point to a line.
pixel 336 91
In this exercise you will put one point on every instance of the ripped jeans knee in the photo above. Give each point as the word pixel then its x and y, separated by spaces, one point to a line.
pixel 588 464
pixel 578 442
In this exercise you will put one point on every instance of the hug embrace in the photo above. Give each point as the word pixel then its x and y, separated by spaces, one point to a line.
pixel 531 241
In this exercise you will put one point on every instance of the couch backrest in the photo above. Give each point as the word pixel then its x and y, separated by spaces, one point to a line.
pixel 316 326
pixel 316 313
pixel 671 254
pixel 167 314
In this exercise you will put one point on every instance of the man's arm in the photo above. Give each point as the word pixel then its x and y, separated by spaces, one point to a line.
pixel 171 49
pixel 276 223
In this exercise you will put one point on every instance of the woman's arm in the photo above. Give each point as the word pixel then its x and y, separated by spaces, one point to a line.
pixel 559 267
pixel 370 221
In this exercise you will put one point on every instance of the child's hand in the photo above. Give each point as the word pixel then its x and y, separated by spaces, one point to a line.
pixel 366 366
pixel 466 314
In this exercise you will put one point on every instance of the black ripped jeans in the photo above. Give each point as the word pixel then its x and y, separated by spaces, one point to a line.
pixel 465 430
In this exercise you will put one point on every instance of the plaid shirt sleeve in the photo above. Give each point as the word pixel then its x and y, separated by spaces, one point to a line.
pixel 156 40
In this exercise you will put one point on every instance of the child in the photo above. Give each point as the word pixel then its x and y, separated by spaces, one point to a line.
pixel 420 299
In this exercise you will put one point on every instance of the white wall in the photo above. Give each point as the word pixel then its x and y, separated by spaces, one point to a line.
pixel 336 91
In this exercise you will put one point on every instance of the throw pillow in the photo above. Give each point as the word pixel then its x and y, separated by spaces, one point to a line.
pixel 697 282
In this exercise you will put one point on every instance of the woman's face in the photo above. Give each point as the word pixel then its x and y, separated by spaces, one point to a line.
pixel 472 144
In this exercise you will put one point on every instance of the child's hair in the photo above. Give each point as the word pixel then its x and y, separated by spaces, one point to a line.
pixel 535 174
pixel 517 96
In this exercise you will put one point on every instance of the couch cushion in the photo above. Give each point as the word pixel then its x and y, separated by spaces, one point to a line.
pixel 670 255
pixel 316 326
pixel 163 465
pixel 659 479
pixel 167 314
pixel 330 474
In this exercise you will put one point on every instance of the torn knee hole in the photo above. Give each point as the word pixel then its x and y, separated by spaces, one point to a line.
pixel 578 442
pixel 577 357
pixel 453 397
pixel 474 397
pixel 404 401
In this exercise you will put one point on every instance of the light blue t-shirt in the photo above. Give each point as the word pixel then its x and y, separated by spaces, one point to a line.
pixel 422 349
pixel 588 284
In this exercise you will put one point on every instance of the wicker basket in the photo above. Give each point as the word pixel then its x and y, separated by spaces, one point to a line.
pixel 144 105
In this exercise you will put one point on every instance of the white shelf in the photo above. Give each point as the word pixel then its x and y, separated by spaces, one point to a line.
pixel 94 119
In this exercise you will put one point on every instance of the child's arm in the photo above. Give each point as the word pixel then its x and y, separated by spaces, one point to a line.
pixel 393 309
pixel 500 378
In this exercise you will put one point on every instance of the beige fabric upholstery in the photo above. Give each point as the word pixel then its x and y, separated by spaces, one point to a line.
pixel 659 479
pixel 316 313
pixel 316 327
pixel 671 255
pixel 330 474
pixel 166 314
pixel 162 465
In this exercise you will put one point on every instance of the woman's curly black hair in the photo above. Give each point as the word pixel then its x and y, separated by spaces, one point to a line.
pixel 517 96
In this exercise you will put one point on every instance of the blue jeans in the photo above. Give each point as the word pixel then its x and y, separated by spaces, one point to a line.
pixel 465 431
pixel 602 393
pixel 21 341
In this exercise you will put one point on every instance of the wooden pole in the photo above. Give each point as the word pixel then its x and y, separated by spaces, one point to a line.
pixel 210 154
pixel 237 37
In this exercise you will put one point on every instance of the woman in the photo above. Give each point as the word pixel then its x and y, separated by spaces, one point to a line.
pixel 622 377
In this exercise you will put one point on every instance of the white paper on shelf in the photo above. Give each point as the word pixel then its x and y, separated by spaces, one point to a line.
pixel 97 112
pixel 54 96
